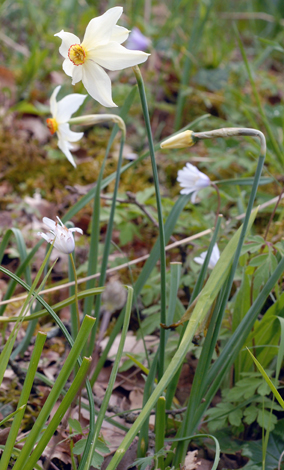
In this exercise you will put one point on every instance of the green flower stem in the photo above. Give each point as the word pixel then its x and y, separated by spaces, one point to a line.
pixel 160 216
pixel 94 245
pixel 171 389
pixel 75 323
pixel 57 418
pixel 160 427
pixel 107 244
pixel 11 415
pixel 92 119
pixel 55 392
pixel 84 200
pixel 64 303
pixel 67 336
pixel 205 300
pixel 186 427
pixel 103 408
pixel 40 340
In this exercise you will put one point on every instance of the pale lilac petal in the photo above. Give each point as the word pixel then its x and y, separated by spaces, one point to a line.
pixel 119 34
pixel 68 39
pixel 53 102
pixel 137 40
pixel 68 67
pixel 113 56
pixel 64 133
pixel 77 74
pixel 97 83
pixel 100 29
pixel 69 105
pixel 193 197
pixel 64 146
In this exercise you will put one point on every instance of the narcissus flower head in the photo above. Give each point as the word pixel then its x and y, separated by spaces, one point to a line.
pixel 100 49
pixel 64 240
pixel 179 141
pixel 215 255
pixel 192 180
pixel 61 113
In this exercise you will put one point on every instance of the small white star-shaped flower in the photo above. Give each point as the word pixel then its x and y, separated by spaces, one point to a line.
pixel 64 240
pixel 215 255
pixel 192 180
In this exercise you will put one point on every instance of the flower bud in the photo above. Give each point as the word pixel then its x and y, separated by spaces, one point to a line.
pixel 179 141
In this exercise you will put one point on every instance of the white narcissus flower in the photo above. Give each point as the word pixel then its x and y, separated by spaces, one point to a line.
pixel 64 240
pixel 192 180
pixel 101 49
pixel 215 255
pixel 61 113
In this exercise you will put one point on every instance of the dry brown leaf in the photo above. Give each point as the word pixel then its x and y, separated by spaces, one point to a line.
pixel 191 462
pixel 136 398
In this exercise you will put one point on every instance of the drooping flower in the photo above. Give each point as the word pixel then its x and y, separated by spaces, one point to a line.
pixel 61 113
pixel 101 49
pixel 215 255
pixel 137 40
pixel 192 180
pixel 179 141
pixel 64 240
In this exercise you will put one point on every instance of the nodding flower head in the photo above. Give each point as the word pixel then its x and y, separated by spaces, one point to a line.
pixel 64 240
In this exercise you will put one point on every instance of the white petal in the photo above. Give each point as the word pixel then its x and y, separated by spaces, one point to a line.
pixel 113 56
pixel 77 74
pixel 64 147
pixel 53 102
pixel 68 105
pixel 186 191
pixel 215 255
pixel 68 39
pixel 76 229
pixel 65 244
pixel 119 34
pixel 191 167
pixel 68 67
pixel 47 237
pixel 193 197
pixel 97 83
pixel 100 29
pixel 50 223
pixel 64 133
pixel 200 259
